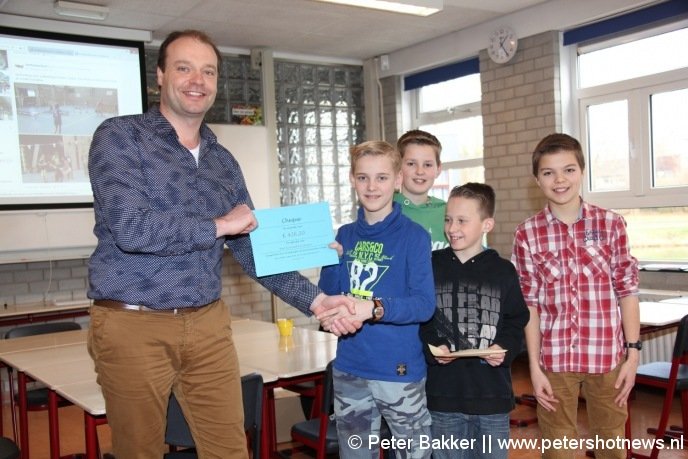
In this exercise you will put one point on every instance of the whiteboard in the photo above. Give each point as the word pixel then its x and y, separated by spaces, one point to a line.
pixel 63 234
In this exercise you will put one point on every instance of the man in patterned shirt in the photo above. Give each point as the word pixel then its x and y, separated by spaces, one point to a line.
pixel 581 285
pixel 167 198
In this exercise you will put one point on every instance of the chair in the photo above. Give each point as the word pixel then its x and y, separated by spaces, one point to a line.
pixel 8 449
pixel 319 433
pixel 178 433
pixel 37 399
pixel 670 376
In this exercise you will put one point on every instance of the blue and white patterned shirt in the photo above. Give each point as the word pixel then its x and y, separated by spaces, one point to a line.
pixel 154 210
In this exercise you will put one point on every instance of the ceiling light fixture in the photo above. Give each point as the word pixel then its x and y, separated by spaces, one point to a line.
pixel 81 10
pixel 417 7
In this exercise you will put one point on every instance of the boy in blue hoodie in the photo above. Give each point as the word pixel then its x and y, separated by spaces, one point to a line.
pixel 380 371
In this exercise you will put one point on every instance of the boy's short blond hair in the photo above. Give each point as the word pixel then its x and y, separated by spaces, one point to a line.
pixel 419 137
pixel 374 148
pixel 554 143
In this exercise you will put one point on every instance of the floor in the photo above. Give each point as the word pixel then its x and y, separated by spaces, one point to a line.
pixel 646 408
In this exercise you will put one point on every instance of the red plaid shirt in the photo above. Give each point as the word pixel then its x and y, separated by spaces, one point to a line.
pixel 574 275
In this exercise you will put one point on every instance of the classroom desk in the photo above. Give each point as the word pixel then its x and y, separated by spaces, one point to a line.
pixel 88 396
pixel 658 315
pixel 679 300
pixel 61 362
pixel 297 359
pixel 13 352
pixel 42 312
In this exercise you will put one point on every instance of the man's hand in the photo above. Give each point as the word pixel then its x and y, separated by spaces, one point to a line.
pixel 239 220
pixel 342 318
pixel 336 309
pixel 344 323
pixel 542 389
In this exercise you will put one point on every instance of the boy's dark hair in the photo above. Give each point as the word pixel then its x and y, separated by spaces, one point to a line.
pixel 554 143
pixel 418 137
pixel 195 34
pixel 481 192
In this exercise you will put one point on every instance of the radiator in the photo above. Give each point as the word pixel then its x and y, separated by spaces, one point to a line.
pixel 658 346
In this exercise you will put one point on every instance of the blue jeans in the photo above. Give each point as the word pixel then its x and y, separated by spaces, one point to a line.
pixel 469 436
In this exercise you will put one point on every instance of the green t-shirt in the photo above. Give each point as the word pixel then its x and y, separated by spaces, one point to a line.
pixel 429 215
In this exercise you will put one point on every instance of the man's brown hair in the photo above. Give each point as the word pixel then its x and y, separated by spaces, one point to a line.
pixel 195 34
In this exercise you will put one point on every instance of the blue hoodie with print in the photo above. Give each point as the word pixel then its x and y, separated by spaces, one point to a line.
pixel 389 260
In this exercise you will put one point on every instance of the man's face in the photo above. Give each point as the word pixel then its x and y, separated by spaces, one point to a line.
pixel 188 84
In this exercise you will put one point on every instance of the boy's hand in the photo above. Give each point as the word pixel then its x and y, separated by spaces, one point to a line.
pixel 338 247
pixel 346 320
pixel 329 308
pixel 494 360
pixel 339 321
pixel 444 360
pixel 542 389
pixel 626 379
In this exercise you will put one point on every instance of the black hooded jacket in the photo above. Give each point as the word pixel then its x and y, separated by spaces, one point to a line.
pixel 479 303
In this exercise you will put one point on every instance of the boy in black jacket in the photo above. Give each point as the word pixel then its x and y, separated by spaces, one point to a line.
pixel 479 306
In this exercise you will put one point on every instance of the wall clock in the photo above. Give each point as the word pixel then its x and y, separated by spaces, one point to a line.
pixel 503 45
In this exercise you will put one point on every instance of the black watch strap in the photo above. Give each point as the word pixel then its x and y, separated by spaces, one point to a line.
pixel 637 345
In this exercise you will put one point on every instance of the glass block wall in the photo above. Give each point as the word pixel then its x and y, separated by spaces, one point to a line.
pixel 319 116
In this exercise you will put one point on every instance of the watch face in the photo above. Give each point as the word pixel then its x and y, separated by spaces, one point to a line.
pixel 503 44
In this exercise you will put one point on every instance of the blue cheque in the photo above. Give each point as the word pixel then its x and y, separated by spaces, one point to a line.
pixel 293 238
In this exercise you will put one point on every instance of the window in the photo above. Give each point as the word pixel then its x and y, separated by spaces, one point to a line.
pixel 450 110
pixel 633 107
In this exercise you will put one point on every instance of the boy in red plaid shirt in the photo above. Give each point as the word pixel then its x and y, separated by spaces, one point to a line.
pixel 581 285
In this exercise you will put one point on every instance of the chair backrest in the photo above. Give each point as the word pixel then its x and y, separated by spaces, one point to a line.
pixel 681 343
pixel 8 449
pixel 252 395
pixel 179 434
pixel 40 329
pixel 327 403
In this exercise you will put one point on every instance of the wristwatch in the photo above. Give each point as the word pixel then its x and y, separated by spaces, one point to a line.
pixel 378 310
pixel 637 345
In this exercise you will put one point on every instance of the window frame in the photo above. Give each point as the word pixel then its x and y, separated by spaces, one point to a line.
pixel 453 113
pixel 637 92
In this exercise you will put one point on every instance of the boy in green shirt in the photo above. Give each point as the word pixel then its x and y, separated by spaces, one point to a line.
pixel 420 159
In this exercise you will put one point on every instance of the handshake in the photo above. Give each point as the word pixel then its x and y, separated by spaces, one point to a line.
pixel 341 314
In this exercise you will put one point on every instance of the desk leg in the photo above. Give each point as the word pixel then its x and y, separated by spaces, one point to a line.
pixel 91 433
pixel 53 425
pixel 23 416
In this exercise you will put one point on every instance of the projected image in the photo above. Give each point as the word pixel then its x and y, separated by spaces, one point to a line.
pixel 54 158
pixel 55 90
pixel 6 109
pixel 69 110
pixel 4 83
